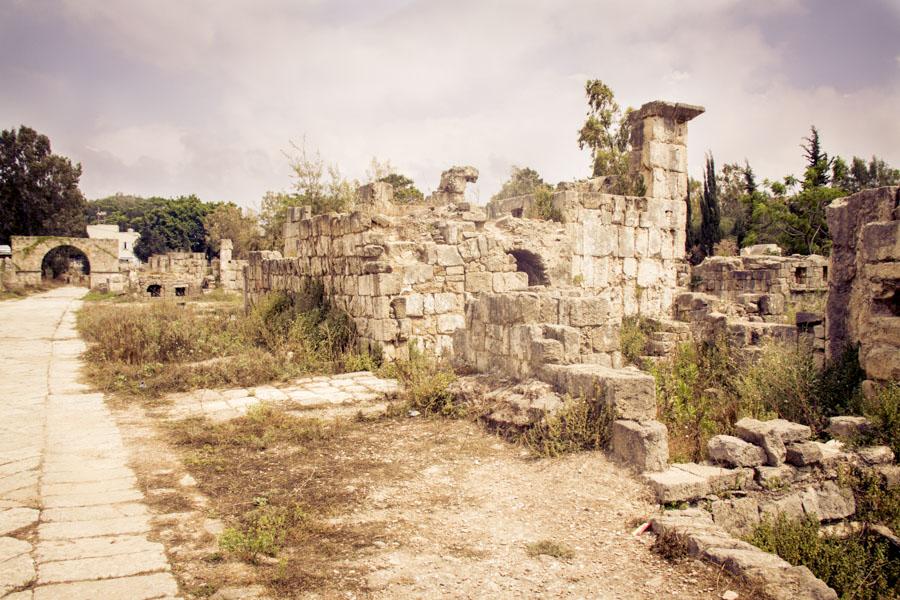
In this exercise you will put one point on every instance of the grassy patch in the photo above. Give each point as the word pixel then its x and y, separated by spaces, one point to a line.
pixel 671 546
pixel 144 350
pixel 883 410
pixel 862 566
pixel 19 292
pixel 549 548
pixel 578 425
pixel 425 382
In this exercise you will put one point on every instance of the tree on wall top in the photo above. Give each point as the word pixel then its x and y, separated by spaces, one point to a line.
pixel 607 133
pixel 39 192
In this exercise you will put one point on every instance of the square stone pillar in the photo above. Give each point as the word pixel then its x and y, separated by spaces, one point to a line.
pixel 659 147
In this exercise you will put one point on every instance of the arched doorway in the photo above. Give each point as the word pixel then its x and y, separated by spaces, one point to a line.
pixel 66 264
pixel 532 265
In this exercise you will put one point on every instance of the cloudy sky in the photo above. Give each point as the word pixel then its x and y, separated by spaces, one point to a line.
pixel 170 97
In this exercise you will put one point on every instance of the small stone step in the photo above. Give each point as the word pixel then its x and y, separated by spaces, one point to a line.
pixel 690 481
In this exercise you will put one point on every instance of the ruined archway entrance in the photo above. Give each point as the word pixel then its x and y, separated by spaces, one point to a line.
pixel 532 265
pixel 66 264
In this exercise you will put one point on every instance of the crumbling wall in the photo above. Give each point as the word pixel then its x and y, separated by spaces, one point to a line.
pixel 863 281
pixel 402 279
pixel 174 274
pixel 763 286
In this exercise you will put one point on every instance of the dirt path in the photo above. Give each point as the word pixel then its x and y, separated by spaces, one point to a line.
pixel 72 521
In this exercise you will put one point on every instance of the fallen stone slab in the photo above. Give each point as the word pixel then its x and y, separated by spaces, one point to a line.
pixel 757 432
pixel 738 516
pixel 803 454
pixel 848 427
pixel 735 452
pixel 137 587
pixel 676 485
pixel 629 392
pixel 719 478
pixel 641 445
pixel 834 502
pixel 876 455
pixel 772 478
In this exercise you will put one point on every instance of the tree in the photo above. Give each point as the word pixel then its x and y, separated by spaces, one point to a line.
pixel 226 221
pixel 607 132
pixel 173 225
pixel 709 209
pixel 405 190
pixel 522 181
pixel 817 161
pixel 39 192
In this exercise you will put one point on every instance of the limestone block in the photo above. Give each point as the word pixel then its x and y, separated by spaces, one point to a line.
pixel 738 516
pixel 587 311
pixel 387 284
pixel 417 273
pixel 834 502
pixel 759 433
pixel 629 267
pixel 510 281
pixel 791 506
pixel 719 478
pixel 803 454
pixel 626 242
pixel 630 393
pixel 547 352
pixel 675 485
pixel 448 323
pixel 642 445
pixel 735 452
pixel 448 256
pixel 649 271
pixel 775 477
pixel 876 455
pixel 446 302
pixel 479 282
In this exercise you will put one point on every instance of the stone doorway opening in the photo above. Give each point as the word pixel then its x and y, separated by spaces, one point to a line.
pixel 532 265
pixel 66 264
pixel 155 290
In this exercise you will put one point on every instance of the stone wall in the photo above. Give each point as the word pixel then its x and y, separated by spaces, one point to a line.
pixel 864 280
pixel 102 255
pixel 402 279
pixel 174 274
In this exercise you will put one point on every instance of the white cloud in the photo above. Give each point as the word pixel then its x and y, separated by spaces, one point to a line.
pixel 424 84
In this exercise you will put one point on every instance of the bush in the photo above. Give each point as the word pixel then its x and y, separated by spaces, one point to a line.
pixel 862 566
pixel 426 382
pixel 694 397
pixel 578 425
pixel 883 410
pixel 839 384
pixel 782 380
pixel 633 337
pixel 543 208
pixel 262 530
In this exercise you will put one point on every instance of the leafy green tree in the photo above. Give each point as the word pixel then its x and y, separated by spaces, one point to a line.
pixel 227 221
pixel 875 174
pixel 607 133
pixel 174 225
pixel 522 181
pixel 818 164
pixel 405 190
pixel 710 231
pixel 39 192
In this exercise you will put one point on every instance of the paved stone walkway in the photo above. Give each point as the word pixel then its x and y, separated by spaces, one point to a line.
pixel 322 395
pixel 73 523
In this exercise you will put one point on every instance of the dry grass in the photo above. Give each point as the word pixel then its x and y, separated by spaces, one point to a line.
pixel 549 548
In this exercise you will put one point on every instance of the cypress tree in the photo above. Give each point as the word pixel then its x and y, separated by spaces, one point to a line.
pixel 709 209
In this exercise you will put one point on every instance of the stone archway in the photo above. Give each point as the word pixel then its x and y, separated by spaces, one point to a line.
pixel 28 254
pixel 66 263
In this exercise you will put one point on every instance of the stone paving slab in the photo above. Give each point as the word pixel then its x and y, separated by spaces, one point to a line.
pixel 362 388
pixel 64 467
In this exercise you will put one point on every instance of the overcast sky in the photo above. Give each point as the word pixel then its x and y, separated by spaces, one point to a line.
pixel 171 97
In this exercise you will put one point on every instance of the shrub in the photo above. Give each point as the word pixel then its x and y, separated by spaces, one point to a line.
pixel 694 397
pixel 862 566
pixel 578 425
pixel 782 380
pixel 262 530
pixel 839 384
pixel 633 337
pixel 426 382
pixel 883 410
pixel 543 208
pixel 876 502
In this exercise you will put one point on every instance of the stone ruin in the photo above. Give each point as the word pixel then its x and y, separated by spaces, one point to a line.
pixel 539 305
pixel 177 274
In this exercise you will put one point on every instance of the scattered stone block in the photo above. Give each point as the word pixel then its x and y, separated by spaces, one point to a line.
pixel 790 506
pixel 761 434
pixel 876 455
pixel 738 516
pixel 719 479
pixel 676 485
pixel 848 427
pixel 735 452
pixel 775 477
pixel 834 502
pixel 642 445
pixel 890 475
pixel 803 454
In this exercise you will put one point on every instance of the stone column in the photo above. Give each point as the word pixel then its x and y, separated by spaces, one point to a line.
pixel 659 147
pixel 225 249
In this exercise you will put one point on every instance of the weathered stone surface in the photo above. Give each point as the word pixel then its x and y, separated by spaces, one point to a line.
pixel 765 436
pixel 790 506
pixel 803 454
pixel 93 547
pixel 789 432
pixel 775 477
pixel 676 485
pixel 873 455
pixel 719 479
pixel 13 519
pixel 522 405
pixel 106 567
pixel 890 474
pixel 735 452
pixel 16 572
pixel 738 516
pixel 642 445
pixel 834 502
pixel 848 427
pixel 137 587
